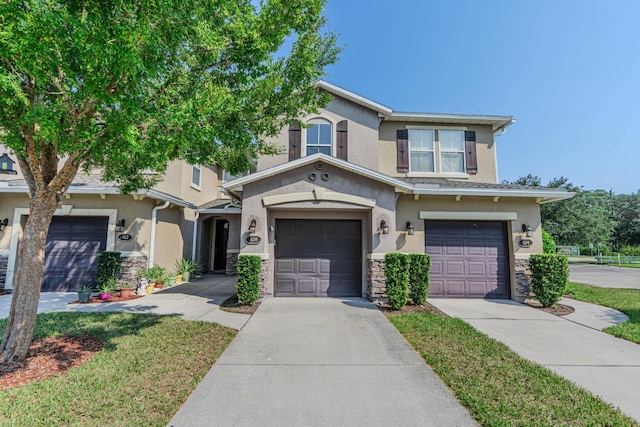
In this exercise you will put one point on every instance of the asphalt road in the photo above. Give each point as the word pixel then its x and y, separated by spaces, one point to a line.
pixel 605 276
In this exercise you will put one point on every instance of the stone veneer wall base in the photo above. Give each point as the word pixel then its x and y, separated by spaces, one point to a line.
pixel 377 286
pixel 4 260
pixel 131 265
pixel 232 260
pixel 264 279
pixel 523 280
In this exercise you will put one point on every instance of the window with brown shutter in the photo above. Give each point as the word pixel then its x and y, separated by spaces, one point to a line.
pixel 295 141
pixel 402 136
pixel 470 151
pixel 341 140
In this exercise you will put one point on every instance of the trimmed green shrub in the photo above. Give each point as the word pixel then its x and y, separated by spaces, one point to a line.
pixel 419 266
pixel 108 266
pixel 549 277
pixel 248 287
pixel 548 245
pixel 396 275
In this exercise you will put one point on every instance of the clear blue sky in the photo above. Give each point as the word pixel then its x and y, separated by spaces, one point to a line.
pixel 567 70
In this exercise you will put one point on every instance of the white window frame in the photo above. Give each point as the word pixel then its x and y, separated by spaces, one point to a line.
pixel 438 153
pixel 196 185
pixel 424 150
pixel 461 151
pixel 319 121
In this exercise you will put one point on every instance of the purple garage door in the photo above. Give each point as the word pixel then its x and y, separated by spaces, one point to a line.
pixel 73 245
pixel 318 258
pixel 468 259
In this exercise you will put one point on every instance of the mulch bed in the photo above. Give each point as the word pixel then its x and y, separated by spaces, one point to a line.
pixel 409 308
pixel 232 305
pixel 114 298
pixel 558 309
pixel 48 357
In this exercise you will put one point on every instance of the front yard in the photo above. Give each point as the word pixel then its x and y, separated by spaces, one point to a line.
pixel 499 387
pixel 624 300
pixel 147 368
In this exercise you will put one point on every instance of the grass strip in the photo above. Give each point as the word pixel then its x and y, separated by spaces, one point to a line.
pixel 499 387
pixel 624 300
pixel 147 369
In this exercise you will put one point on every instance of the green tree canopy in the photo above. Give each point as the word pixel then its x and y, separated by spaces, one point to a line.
pixel 128 86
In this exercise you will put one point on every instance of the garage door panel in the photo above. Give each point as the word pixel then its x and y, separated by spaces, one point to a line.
pixel 328 257
pixel 73 244
pixel 469 258
pixel 454 268
pixel 285 266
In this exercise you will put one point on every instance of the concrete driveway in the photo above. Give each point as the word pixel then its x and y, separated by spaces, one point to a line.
pixel 199 300
pixel 321 362
pixel 605 276
pixel 607 366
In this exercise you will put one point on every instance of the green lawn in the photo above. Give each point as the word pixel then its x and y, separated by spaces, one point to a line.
pixel 148 367
pixel 624 300
pixel 499 387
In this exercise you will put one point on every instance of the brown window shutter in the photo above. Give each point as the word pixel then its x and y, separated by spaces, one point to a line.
pixel 470 151
pixel 402 136
pixel 295 141
pixel 341 140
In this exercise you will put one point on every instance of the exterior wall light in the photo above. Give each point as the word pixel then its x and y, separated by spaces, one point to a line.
pixel 120 226
pixel 410 229
pixel 527 230
pixel 4 223
pixel 252 226
pixel 384 228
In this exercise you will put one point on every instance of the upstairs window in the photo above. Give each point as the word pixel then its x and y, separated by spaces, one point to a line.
pixel 319 137
pixel 436 150
pixel 451 151
pixel 196 176
pixel 422 150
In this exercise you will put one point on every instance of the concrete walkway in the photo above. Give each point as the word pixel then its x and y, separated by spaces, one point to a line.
pixel 321 362
pixel 199 300
pixel 607 366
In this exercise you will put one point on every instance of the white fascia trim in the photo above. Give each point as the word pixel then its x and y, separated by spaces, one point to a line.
pixel 499 122
pixel 237 184
pixel 220 211
pixel 166 198
pixel 64 210
pixel 469 216
pixel 360 100
pixel 546 196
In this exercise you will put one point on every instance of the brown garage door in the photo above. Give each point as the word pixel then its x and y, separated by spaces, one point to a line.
pixel 71 255
pixel 468 259
pixel 318 258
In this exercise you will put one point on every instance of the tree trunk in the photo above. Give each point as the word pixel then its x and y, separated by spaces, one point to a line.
pixel 30 266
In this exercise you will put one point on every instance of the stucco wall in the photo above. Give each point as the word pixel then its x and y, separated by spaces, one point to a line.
pixel 362 134
pixel 485 150
pixel 177 183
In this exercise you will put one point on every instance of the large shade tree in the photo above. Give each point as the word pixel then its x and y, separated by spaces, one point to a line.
pixel 127 86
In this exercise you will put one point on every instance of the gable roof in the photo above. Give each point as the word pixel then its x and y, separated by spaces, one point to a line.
pixel 237 184
pixel 498 123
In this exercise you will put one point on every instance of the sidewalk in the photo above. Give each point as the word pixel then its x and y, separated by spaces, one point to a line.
pixel 573 346
pixel 199 300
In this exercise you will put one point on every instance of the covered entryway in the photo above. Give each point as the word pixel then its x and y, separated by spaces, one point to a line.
pixel 468 259
pixel 318 258
pixel 71 254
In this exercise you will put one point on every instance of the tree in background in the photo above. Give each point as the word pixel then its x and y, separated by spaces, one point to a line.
pixel 127 86
pixel 586 217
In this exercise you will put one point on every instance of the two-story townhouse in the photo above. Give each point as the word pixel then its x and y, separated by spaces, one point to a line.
pixel 359 180
pixel 356 181
pixel 147 227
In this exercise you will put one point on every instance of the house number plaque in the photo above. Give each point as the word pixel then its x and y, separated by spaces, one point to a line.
pixel 252 240
pixel 525 243
pixel 124 237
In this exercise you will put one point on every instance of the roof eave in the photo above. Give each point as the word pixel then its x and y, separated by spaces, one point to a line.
pixel 540 196
pixel 353 97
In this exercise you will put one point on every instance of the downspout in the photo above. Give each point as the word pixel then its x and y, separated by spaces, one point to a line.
pixel 152 243
pixel 195 235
